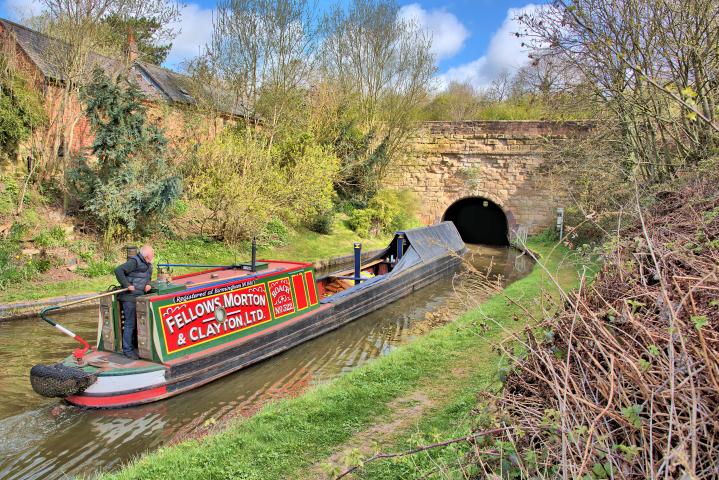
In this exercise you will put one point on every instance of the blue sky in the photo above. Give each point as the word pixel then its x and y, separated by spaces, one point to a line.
pixel 473 39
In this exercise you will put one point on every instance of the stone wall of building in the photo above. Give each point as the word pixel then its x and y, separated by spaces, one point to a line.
pixel 496 160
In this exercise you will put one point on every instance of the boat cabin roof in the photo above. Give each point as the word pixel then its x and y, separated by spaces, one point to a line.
pixel 213 276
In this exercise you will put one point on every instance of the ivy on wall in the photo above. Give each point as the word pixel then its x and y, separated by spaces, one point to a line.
pixel 21 110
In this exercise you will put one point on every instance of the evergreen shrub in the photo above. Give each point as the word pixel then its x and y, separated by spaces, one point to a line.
pixel 323 223
pixel 127 181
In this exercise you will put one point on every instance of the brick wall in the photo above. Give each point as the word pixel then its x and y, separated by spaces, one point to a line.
pixel 496 160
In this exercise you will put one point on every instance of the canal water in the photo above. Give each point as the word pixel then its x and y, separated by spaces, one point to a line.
pixel 44 438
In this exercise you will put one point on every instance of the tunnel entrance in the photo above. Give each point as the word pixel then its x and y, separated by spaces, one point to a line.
pixel 479 220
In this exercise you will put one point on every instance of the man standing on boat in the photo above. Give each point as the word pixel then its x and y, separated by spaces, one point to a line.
pixel 135 276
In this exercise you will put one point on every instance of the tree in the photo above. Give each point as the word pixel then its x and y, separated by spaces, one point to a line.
pixel 383 68
pixel 264 51
pixel 152 44
pixel 128 182
pixel 460 101
pixel 242 185
pixel 651 65
pixel 77 31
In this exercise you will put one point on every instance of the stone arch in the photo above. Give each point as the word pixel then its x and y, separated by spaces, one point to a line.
pixel 480 219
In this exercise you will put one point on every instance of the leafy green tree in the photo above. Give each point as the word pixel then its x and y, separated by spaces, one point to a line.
pixel 148 35
pixel 130 181
pixel 21 110
pixel 361 157
pixel 240 185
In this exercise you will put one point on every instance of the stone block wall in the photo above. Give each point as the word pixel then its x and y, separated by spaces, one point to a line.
pixel 496 160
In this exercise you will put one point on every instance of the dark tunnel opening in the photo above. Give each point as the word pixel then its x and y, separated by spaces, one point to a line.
pixel 479 220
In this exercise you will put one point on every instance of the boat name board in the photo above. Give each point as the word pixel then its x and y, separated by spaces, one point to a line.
pixel 193 322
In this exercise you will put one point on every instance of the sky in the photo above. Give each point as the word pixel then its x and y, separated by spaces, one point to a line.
pixel 472 40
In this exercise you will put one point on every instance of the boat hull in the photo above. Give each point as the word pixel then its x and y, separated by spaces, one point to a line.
pixel 192 371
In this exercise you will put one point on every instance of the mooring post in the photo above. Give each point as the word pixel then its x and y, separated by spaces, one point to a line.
pixel 358 262
pixel 400 245
pixel 254 255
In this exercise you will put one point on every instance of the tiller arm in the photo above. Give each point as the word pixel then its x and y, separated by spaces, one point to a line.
pixel 79 352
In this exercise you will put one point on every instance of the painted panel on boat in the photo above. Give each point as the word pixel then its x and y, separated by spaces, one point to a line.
pixel 193 322
pixel 298 284
pixel 281 292
pixel 187 324
pixel 311 287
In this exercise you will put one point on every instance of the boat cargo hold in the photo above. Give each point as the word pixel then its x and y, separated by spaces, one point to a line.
pixel 197 327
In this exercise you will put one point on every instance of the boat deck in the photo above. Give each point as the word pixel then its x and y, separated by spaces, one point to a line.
pixel 107 362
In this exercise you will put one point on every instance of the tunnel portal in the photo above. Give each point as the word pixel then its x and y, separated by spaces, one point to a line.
pixel 479 220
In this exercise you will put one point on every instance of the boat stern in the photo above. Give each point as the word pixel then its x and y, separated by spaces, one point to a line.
pixel 120 382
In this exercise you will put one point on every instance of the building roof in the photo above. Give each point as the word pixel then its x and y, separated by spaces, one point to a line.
pixel 157 83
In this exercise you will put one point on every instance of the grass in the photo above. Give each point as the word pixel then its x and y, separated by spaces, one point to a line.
pixel 289 437
pixel 302 245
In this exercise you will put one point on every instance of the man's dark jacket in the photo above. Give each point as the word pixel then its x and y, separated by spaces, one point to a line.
pixel 135 271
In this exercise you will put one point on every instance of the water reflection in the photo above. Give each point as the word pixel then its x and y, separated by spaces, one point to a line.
pixel 44 438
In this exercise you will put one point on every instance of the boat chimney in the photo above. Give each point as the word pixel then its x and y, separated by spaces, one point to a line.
pixel 358 261
pixel 400 245
pixel 253 267
pixel 130 251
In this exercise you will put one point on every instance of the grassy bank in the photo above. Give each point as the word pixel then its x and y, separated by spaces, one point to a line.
pixel 437 372
pixel 302 245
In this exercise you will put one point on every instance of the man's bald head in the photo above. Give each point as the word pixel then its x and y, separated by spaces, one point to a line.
pixel 147 252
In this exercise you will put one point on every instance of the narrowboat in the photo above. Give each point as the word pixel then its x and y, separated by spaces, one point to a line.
pixel 197 327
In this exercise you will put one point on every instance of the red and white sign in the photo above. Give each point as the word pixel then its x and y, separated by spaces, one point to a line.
pixel 281 296
pixel 194 322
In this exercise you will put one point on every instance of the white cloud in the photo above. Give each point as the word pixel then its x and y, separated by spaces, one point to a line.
pixel 20 10
pixel 195 28
pixel 448 33
pixel 505 53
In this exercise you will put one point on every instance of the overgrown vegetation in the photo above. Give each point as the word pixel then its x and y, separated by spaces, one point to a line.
pixel 243 187
pixel 622 382
pixel 13 267
pixel 642 67
pixel 535 92
pixel 21 109
pixel 387 212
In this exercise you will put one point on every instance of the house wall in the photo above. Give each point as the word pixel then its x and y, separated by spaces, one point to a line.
pixel 68 130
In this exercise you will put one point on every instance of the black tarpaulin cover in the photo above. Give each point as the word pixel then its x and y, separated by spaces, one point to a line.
pixel 435 241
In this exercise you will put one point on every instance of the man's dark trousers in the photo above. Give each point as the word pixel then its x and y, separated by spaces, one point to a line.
pixel 129 307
